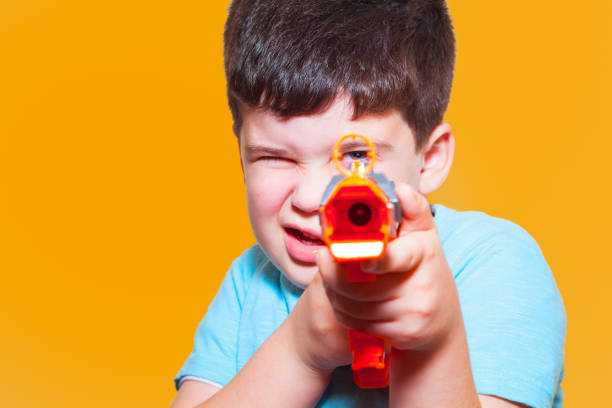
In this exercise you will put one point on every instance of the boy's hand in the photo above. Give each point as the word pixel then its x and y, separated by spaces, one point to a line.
pixel 319 341
pixel 413 304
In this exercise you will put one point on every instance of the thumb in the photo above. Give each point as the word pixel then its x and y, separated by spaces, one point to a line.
pixel 416 212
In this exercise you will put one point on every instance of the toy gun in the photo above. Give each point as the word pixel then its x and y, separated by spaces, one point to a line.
pixel 360 214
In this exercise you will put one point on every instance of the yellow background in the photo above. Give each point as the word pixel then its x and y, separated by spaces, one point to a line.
pixel 122 204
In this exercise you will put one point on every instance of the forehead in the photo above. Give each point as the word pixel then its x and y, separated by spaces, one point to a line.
pixel 319 132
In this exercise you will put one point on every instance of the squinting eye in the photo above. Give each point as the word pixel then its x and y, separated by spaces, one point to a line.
pixel 349 158
pixel 274 161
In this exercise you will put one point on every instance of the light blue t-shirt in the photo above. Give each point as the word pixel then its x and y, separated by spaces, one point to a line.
pixel 514 316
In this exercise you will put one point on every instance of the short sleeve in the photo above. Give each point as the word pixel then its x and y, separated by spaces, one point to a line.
pixel 515 319
pixel 213 358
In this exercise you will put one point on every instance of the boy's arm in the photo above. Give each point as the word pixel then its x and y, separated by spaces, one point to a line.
pixel 192 393
pixel 271 378
pixel 293 366
pixel 443 381
pixel 439 376
pixel 489 401
pixel 414 305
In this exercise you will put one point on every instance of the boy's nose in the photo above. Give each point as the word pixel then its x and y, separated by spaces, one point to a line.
pixel 309 191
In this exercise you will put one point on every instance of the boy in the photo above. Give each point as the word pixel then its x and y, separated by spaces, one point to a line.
pixel 300 75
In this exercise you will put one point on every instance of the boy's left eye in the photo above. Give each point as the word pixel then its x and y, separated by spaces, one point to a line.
pixel 357 155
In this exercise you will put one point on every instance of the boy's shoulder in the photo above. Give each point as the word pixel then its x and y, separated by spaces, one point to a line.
pixel 254 271
pixel 251 261
pixel 476 225
pixel 467 236
pixel 509 301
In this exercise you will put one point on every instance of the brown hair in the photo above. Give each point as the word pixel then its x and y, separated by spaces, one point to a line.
pixel 294 57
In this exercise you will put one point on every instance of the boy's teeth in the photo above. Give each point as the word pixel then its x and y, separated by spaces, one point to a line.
pixel 306 239
pixel 310 240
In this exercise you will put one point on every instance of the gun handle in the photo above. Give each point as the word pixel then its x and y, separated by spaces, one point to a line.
pixel 370 359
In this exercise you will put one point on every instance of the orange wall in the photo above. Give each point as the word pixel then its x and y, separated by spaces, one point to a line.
pixel 114 132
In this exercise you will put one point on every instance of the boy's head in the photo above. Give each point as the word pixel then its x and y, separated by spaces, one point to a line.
pixel 303 73
pixel 295 57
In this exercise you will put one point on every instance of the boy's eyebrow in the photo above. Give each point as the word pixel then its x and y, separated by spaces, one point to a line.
pixel 381 146
pixel 255 150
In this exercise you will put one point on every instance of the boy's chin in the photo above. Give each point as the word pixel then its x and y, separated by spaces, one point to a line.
pixel 300 273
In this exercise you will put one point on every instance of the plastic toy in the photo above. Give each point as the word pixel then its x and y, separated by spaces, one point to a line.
pixel 360 214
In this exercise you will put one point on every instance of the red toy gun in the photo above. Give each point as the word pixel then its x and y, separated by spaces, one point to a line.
pixel 360 214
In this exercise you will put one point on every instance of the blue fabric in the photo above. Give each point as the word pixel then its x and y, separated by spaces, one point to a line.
pixel 513 313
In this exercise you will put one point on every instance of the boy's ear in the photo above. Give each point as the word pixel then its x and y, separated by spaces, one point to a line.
pixel 236 130
pixel 437 156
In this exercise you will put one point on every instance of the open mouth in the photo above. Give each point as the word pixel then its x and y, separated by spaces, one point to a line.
pixel 304 238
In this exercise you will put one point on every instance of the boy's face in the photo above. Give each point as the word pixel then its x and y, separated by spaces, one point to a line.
pixel 287 165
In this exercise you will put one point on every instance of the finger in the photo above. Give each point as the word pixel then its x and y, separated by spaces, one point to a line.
pixel 354 323
pixel 392 331
pixel 403 254
pixel 416 212
pixel 335 277
pixel 364 310
pixel 329 269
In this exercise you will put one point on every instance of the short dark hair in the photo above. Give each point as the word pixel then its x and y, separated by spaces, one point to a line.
pixel 294 57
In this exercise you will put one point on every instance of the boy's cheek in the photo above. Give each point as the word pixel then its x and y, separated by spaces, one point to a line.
pixel 266 193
